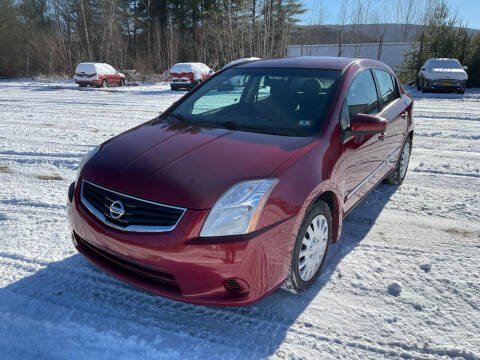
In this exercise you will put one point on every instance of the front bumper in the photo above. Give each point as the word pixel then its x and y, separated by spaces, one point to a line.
pixel 447 84
pixel 180 265
pixel 182 83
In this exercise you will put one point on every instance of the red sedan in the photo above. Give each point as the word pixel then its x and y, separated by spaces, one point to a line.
pixel 236 191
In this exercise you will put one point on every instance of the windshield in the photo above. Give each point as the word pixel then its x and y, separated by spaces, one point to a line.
pixel 444 64
pixel 279 101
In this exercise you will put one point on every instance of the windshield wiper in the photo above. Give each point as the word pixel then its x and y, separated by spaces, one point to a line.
pixel 230 125
pixel 178 117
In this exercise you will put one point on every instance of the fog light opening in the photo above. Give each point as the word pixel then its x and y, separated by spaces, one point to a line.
pixel 236 286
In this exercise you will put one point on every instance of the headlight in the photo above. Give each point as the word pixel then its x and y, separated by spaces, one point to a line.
pixel 238 210
pixel 85 159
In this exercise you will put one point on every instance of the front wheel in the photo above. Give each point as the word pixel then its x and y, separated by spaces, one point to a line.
pixel 122 82
pixel 310 250
pixel 398 174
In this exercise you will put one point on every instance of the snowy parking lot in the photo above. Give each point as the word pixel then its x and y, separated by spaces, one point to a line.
pixel 402 282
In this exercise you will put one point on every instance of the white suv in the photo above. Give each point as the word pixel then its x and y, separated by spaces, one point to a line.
pixel 442 74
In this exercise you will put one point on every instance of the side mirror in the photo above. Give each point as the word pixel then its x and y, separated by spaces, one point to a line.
pixel 210 72
pixel 423 69
pixel 465 68
pixel 363 124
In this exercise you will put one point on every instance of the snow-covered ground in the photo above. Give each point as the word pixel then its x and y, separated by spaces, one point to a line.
pixel 403 282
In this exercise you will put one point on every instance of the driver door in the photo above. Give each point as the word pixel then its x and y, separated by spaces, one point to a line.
pixel 363 156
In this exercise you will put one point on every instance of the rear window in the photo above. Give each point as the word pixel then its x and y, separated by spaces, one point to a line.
pixel 274 100
pixel 186 67
pixel 86 68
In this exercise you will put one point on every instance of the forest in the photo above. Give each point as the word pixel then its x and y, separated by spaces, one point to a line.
pixel 52 36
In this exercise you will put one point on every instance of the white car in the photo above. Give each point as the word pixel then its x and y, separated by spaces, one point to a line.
pixel 188 75
pixel 442 74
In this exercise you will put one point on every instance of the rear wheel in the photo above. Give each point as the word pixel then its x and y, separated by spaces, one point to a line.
pixel 173 87
pixel 104 83
pixel 398 174
pixel 310 250
pixel 82 85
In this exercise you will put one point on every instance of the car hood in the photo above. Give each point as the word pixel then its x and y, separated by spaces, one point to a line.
pixel 187 166
pixel 446 73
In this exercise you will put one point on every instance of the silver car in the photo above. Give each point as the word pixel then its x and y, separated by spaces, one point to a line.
pixel 442 74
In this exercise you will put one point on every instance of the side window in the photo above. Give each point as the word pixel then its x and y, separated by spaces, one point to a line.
pixel 362 95
pixel 388 91
pixel 264 89
pixel 395 85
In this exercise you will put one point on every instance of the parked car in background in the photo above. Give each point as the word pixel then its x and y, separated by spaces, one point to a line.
pixel 188 75
pixel 442 74
pixel 230 194
pixel 98 74
pixel 240 61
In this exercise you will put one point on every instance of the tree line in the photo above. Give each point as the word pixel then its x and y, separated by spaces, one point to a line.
pixel 52 36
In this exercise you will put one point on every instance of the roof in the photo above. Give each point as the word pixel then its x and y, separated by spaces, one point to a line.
pixel 306 62
pixel 240 61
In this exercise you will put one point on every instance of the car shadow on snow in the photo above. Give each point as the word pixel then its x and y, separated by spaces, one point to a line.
pixel 75 290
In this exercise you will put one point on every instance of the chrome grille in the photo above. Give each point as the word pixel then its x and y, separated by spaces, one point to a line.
pixel 137 215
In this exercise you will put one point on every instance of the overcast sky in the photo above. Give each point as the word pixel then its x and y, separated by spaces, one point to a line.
pixel 468 10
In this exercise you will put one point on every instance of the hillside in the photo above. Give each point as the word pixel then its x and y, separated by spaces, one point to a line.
pixel 367 33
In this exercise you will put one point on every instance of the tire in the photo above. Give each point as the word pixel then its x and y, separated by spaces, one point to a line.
pixel 194 84
pixel 461 91
pixel 419 87
pixel 82 85
pixel 397 176
pixel 424 89
pixel 174 88
pixel 104 83
pixel 302 276
pixel 122 82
